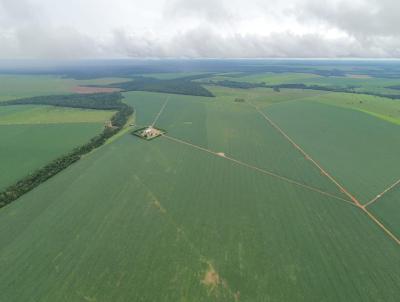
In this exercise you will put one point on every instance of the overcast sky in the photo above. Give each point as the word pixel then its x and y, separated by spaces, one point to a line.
pixel 72 29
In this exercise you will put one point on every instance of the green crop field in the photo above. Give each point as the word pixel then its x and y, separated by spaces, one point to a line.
pixel 166 218
pixel 223 208
pixel 31 114
pixel 360 150
pixel 31 136
pixel 23 86
pixel 360 83
pixel 387 209
pixel 273 78
pixel 25 148
pixel 385 109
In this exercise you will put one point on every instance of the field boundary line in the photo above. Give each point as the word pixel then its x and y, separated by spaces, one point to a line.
pixel 162 211
pixel 355 201
pixel 379 196
pixel 304 98
pixel 160 112
pixel 269 173
pixel 308 157
pixel 380 224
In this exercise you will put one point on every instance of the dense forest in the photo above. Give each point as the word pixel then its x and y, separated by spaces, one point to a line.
pixel 101 101
pixel 94 101
pixel 395 87
pixel 235 84
pixel 177 86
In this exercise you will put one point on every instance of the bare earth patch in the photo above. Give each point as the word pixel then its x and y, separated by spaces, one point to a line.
pixel 87 90
pixel 158 206
pixel 211 277
pixel 222 154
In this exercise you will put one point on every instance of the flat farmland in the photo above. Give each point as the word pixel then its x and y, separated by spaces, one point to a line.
pixel 33 115
pixel 379 107
pixel 229 129
pixel 193 216
pixel 25 148
pixel 358 149
pixel 387 208
pixel 193 225
pixel 24 86
pixel 263 97
pixel 361 83
pixel 270 78
pixel 32 136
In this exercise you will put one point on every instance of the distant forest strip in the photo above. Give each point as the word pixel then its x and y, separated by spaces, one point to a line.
pixel 183 86
pixel 100 101
pixel 246 85
pixel 95 101
pixel 395 87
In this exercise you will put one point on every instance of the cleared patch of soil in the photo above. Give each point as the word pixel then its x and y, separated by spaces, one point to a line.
pixel 158 206
pixel 87 90
pixel 222 154
pixel 211 277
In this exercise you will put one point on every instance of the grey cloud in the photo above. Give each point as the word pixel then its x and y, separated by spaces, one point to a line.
pixel 201 42
pixel 134 45
pixel 19 13
pixel 26 33
pixel 60 42
pixel 214 11
pixel 370 29
pixel 204 42
pixel 362 18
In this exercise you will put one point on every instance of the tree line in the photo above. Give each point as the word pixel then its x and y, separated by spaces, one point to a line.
pixel 109 101
pixel 100 101
pixel 183 86
pixel 348 89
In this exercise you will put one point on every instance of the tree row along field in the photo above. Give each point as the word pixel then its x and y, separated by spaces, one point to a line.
pixel 135 215
pixel 110 101
pixel 26 148
pixel 353 84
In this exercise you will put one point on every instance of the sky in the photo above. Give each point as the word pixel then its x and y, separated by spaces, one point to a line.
pixel 85 29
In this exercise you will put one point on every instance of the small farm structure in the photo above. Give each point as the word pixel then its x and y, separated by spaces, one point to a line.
pixel 149 133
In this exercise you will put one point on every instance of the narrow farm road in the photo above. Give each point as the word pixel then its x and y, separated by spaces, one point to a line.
pixel 354 200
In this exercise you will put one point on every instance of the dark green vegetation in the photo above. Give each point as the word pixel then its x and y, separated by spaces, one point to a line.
pixel 234 84
pixel 93 101
pixel 221 208
pixel 395 87
pixel 277 88
pixel 178 86
pixel 101 101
